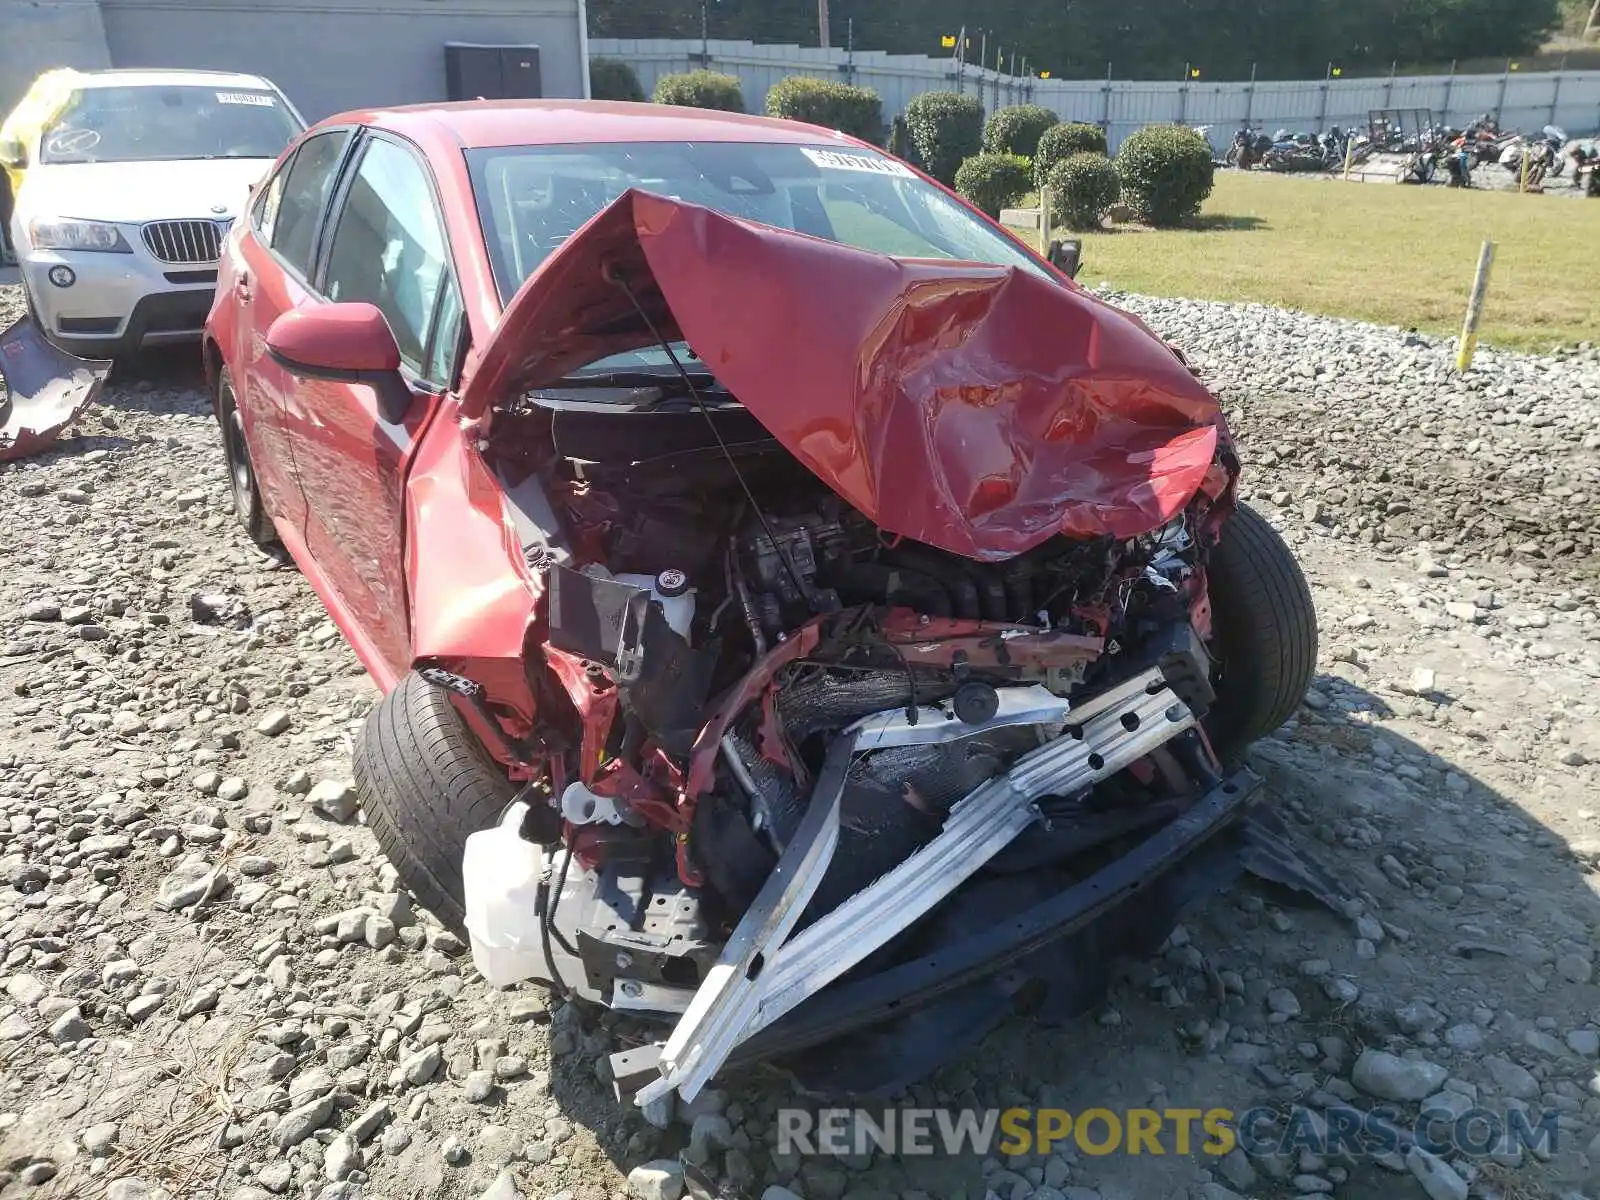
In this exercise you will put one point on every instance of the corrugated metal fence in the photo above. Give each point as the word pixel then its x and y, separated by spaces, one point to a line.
pixel 1570 99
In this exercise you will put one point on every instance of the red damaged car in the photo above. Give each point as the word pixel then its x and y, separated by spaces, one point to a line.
pixel 807 620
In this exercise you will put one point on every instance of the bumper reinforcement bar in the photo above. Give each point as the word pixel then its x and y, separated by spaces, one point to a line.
pixel 898 990
pixel 761 975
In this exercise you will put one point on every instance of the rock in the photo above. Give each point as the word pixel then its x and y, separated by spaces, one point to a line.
pixel 342 1157
pixel 142 1006
pixel 395 1140
pixel 479 1086
pixel 274 723
pixel 233 789
pixel 453 1150
pixel 188 884
pixel 1282 1003
pixel 202 1000
pixel 26 990
pixel 1381 1074
pixel 1575 968
pixel 420 1067
pixel 504 1187
pixel 1437 1177
pixel 1236 1169
pixel 370 1121
pixel 1585 1042
pixel 658 1180
pixel 530 1006
pixel 1514 1080
pixel 296 1125
pixel 275 1177
pixel 378 932
pixel 334 799
pixel 98 1139
pixel 69 1027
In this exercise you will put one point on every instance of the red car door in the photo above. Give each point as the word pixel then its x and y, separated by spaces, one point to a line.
pixel 386 245
pixel 266 275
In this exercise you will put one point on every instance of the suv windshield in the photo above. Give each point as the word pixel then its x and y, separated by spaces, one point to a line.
pixel 531 199
pixel 141 123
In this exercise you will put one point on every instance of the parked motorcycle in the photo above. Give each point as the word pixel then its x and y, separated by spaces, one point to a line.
pixel 1294 152
pixel 1543 155
pixel 1249 147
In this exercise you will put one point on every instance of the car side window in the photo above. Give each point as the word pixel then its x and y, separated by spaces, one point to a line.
pixel 388 246
pixel 446 344
pixel 308 182
pixel 264 214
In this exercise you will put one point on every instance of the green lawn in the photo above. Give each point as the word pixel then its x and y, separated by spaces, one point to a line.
pixel 1388 253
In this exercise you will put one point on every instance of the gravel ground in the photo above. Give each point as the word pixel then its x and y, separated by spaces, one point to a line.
pixel 213 987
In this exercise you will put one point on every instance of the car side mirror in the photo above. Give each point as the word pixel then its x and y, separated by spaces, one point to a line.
pixel 13 154
pixel 347 343
pixel 1067 257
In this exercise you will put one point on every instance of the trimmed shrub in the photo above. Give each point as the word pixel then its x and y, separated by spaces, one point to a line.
pixel 946 130
pixel 1166 173
pixel 701 89
pixel 992 181
pixel 1082 188
pixel 1061 142
pixel 613 79
pixel 1017 130
pixel 900 140
pixel 854 110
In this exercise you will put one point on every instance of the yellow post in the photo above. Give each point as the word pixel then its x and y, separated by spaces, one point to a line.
pixel 1523 186
pixel 1349 153
pixel 1044 220
pixel 1480 288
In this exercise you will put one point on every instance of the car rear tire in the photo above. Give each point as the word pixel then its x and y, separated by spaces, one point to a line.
pixel 247 504
pixel 425 782
pixel 1265 633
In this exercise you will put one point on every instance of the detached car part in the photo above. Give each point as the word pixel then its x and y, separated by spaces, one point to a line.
pixel 44 389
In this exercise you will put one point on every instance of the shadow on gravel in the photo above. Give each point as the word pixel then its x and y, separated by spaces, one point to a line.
pixel 1478 961
pixel 148 380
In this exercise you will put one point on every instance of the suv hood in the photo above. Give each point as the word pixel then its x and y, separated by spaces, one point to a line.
pixel 976 408
pixel 134 192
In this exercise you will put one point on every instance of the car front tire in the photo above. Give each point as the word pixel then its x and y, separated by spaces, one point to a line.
pixel 426 783
pixel 1265 633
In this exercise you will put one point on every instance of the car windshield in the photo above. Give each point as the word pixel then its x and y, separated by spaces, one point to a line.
pixel 531 199
pixel 158 122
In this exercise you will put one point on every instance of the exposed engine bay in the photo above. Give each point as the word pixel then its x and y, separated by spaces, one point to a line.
pixel 764 689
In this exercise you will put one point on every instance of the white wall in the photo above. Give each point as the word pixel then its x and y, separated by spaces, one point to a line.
pixel 1525 101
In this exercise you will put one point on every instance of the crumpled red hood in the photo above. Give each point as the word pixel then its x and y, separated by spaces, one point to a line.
pixel 979 409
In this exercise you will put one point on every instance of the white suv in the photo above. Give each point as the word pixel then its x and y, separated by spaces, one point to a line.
pixel 128 189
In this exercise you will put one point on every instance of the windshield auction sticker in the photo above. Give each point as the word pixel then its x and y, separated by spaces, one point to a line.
pixel 256 99
pixel 834 160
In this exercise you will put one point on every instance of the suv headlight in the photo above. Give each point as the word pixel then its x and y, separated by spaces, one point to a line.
pixel 63 234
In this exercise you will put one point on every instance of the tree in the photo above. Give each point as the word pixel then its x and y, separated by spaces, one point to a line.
pixel 1151 39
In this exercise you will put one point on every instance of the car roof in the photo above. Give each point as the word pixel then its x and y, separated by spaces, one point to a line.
pixel 484 123
pixel 141 77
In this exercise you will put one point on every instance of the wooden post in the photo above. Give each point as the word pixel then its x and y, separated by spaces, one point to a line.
pixel 1523 186
pixel 1044 220
pixel 1480 289
pixel 1349 153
